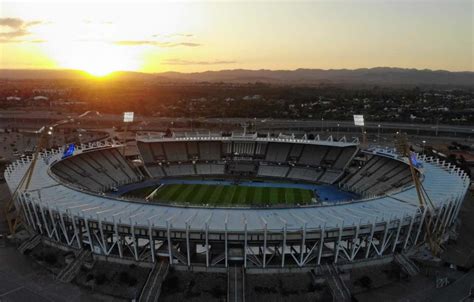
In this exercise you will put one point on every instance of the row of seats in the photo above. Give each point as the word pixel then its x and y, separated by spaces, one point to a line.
pixel 175 170
pixel 330 176
pixel 300 173
pixel 97 171
pixel 179 151
pixel 273 171
pixel 303 173
pixel 308 174
pixel 158 171
pixel 377 176
pixel 210 169
pixel 311 155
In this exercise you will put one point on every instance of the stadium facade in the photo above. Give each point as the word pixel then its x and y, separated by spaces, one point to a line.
pixel 67 202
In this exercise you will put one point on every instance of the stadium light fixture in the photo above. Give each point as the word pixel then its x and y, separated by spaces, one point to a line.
pixel 128 117
pixel 359 120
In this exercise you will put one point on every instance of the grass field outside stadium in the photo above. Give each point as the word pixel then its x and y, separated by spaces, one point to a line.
pixel 225 195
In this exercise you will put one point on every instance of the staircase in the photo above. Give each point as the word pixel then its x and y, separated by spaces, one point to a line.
pixel 68 273
pixel 217 259
pixel 339 290
pixel 235 284
pixel 152 288
pixel 29 244
pixel 407 265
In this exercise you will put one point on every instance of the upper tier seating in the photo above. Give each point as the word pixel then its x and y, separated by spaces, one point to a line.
pixel 175 151
pixel 209 150
pixel 175 170
pixel 273 171
pixel 344 157
pixel 378 175
pixel 97 171
pixel 277 152
pixel 308 174
pixel 313 155
pixel 210 169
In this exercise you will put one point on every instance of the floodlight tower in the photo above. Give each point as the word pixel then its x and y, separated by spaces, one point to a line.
pixel 127 118
pixel 423 198
pixel 12 211
pixel 359 121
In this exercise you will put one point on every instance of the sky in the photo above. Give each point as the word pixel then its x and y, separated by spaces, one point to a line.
pixel 192 36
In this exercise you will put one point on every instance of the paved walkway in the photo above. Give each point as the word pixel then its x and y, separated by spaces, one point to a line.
pixel 22 279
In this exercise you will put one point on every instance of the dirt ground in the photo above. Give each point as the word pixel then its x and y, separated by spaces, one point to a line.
pixel 23 279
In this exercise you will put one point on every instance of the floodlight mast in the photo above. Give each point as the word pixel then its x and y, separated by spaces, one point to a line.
pixel 128 117
pixel 13 214
pixel 423 198
pixel 359 121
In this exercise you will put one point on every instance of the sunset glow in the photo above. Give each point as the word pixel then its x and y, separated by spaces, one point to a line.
pixel 198 36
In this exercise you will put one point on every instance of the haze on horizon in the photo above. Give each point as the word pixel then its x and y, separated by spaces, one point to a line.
pixel 104 36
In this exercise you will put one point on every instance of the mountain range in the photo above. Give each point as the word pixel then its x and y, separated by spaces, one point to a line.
pixel 364 76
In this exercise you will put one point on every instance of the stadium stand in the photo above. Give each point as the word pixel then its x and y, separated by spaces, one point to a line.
pixel 209 151
pixel 312 155
pixel 244 148
pixel 273 171
pixel 330 176
pixel 105 169
pixel 377 176
pixel 260 149
pixel 344 158
pixel 277 152
pixel 157 151
pixel 156 171
pixel 146 152
pixel 210 169
pixel 331 156
pixel 295 152
pixel 106 225
pixel 175 151
pixel 177 170
pixel 304 174
pixel 192 150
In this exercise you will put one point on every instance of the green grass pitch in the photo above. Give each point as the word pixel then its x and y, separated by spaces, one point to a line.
pixel 221 195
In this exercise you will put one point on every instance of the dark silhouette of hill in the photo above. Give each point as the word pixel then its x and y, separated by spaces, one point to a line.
pixel 367 76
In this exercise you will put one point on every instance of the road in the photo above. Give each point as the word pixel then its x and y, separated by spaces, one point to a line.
pixel 35 119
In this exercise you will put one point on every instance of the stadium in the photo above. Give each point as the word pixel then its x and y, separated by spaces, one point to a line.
pixel 250 200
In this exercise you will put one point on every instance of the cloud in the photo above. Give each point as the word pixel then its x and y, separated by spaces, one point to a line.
pixel 7 40
pixel 179 35
pixel 155 43
pixel 14 33
pixel 11 22
pixel 16 28
pixel 33 23
pixel 3 40
pixel 17 23
pixel 188 62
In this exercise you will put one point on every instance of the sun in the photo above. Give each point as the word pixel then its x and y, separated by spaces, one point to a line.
pixel 99 71
pixel 98 59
